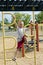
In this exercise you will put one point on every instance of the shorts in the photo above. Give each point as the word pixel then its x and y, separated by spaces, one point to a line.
pixel 20 43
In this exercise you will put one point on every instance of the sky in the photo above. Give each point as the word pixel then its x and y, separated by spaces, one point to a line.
pixel 9 16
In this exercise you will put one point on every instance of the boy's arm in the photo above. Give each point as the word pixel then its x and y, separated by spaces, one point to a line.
pixel 16 25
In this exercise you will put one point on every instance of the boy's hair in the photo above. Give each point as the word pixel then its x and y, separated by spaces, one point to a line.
pixel 20 21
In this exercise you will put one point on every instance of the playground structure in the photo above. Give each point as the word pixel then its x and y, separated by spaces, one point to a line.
pixel 35 40
pixel 32 35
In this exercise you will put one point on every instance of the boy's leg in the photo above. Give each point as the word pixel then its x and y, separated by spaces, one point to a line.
pixel 17 52
pixel 15 55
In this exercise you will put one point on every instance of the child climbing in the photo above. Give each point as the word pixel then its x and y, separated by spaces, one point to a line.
pixel 21 36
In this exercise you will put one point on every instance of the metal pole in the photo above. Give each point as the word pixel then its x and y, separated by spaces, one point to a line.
pixel 37 36
pixel 34 41
pixel 23 50
pixel 3 39
pixel 31 31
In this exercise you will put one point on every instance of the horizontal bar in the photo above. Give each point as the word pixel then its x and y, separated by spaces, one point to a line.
pixel 33 24
pixel 29 35
pixel 8 59
pixel 40 24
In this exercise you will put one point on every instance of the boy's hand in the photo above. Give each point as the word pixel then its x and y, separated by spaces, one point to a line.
pixel 25 37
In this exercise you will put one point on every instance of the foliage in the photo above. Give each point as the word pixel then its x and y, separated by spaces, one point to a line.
pixel 39 17
pixel 24 17
pixel 6 21
pixel 0 26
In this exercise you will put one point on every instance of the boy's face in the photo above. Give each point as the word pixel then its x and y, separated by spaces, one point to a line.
pixel 21 24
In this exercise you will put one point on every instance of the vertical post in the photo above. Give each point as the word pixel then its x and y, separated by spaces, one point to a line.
pixel 3 39
pixel 31 30
pixel 23 54
pixel 34 39
pixel 22 49
pixel 31 27
pixel 37 37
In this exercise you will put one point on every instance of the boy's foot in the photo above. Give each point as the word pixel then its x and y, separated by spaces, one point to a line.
pixel 14 59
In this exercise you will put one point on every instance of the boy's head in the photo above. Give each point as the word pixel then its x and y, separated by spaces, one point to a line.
pixel 20 24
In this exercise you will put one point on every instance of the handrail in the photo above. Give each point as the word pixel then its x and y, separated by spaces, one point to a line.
pixel 30 24
pixel 34 24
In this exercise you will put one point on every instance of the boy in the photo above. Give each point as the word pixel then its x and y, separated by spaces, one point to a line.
pixel 21 37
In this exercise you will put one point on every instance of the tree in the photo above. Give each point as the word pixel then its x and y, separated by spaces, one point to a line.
pixel 39 17
pixel 6 21
pixel 18 16
pixel 24 17
pixel 0 26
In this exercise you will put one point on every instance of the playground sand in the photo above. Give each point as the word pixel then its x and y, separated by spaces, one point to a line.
pixel 27 60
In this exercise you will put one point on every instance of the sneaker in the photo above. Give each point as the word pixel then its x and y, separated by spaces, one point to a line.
pixel 14 59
